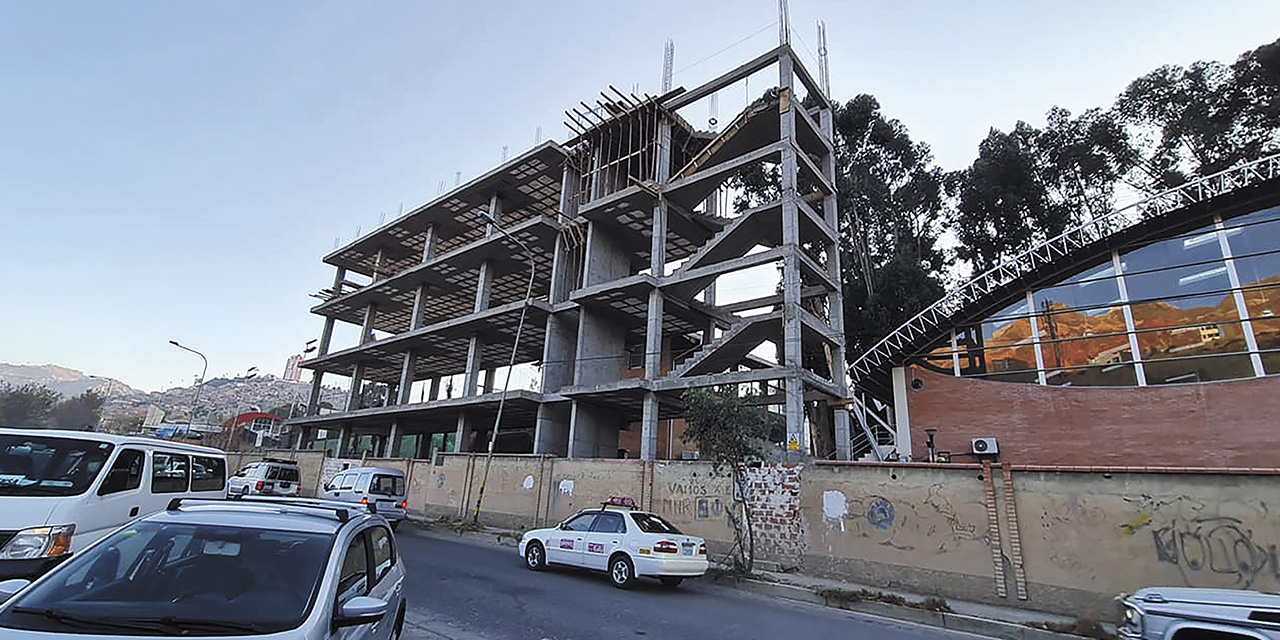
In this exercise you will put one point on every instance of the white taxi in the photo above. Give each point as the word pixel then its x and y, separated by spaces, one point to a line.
pixel 618 539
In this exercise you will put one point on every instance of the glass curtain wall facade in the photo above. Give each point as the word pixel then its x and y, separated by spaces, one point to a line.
pixel 1199 307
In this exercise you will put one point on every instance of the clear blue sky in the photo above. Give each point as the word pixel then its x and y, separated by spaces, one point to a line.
pixel 177 169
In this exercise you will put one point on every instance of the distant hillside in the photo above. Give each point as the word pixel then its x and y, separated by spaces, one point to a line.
pixel 220 398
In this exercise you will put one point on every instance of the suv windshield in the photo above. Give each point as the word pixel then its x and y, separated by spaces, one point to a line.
pixel 45 466
pixel 650 523
pixel 178 578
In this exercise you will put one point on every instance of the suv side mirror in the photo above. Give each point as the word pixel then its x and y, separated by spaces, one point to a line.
pixel 360 610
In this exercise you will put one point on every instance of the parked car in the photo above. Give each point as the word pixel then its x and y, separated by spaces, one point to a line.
pixel 258 567
pixel 618 539
pixel 270 477
pixel 383 488
pixel 1180 613
pixel 60 491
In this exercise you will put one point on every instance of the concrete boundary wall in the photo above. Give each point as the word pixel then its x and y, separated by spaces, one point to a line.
pixel 1062 541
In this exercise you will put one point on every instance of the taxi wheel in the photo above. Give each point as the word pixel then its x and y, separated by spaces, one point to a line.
pixel 669 581
pixel 534 557
pixel 621 572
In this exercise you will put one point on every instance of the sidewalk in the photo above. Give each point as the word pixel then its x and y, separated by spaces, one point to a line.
pixel 988 620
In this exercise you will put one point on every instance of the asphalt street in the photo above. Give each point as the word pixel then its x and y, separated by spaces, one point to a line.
pixel 467 591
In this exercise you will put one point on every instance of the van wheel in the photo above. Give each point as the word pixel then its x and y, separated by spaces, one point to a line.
pixel 621 572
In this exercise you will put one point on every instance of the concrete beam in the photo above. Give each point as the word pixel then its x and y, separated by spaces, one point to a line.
pixel 744 71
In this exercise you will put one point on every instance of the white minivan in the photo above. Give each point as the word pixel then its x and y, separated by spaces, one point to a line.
pixel 61 491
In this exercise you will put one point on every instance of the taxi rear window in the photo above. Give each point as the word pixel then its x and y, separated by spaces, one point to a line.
pixel 650 523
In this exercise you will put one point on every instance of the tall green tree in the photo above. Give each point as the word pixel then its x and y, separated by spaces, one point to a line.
pixel 731 433
pixel 80 412
pixel 1204 118
pixel 28 405
pixel 890 199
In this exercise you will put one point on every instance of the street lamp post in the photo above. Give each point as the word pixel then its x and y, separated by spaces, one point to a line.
pixel 515 347
pixel 192 416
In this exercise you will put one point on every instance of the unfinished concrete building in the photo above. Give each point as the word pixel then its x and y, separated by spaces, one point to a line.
pixel 620 234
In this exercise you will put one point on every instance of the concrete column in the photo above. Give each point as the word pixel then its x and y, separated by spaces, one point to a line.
pixel 484 285
pixel 419 299
pixel 299 433
pixel 429 244
pixel 471 379
pixel 353 394
pixel 406 378
pixel 463 434
pixel 393 439
pixel 489 376
pixel 313 402
pixel 495 210
pixel 901 412
pixel 326 337
pixel 558 352
pixel 434 392
pixel 366 329
pixel 792 345
pixel 344 434
pixel 339 275
pixel 649 427
pixel 835 299
pixel 559 272
pixel 377 266
pixel 551 434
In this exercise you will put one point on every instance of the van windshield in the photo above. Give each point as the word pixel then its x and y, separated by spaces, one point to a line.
pixel 32 465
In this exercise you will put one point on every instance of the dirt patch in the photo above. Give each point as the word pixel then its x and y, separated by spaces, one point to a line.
pixel 1085 627
pixel 850 596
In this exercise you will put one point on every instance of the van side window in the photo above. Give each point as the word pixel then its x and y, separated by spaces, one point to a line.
pixel 273 473
pixel 208 474
pixel 348 481
pixel 387 485
pixel 169 472
pixel 125 473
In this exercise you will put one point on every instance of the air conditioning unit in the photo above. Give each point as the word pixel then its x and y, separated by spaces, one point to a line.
pixel 985 446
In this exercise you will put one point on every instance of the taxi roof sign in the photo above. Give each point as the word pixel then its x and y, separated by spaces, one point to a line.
pixel 620 501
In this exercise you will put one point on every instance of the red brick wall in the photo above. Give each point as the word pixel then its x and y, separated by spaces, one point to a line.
pixel 1221 424
pixel 668 434
pixel 774 491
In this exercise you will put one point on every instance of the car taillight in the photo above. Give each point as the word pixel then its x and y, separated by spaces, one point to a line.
pixel 364 501
pixel 261 484
pixel 666 546
pixel 404 505
pixel 702 549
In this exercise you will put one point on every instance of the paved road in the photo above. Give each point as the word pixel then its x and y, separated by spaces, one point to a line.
pixel 464 591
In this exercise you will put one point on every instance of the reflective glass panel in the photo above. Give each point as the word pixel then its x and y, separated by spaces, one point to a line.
pixel 1092 292
pixel 1006 332
pixel 1207 338
pixel 1099 350
pixel 1185 311
pixel 1183 371
pixel 1076 324
pixel 1019 358
pixel 1267 332
pixel 1109 375
pixel 1016 310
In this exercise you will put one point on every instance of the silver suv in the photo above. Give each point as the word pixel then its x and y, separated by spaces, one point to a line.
pixel 1180 613
pixel 271 477
pixel 258 567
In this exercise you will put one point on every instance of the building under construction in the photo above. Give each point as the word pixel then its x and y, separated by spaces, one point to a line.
pixel 594 263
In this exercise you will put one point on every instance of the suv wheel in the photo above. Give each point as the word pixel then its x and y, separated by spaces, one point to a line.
pixel 534 557
pixel 621 572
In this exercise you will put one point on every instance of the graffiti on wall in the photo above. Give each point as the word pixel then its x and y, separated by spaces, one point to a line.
pixel 1217 544
pixel 899 523
pixel 692 497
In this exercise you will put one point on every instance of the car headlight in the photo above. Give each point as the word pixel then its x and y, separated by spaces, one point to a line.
pixel 1132 620
pixel 39 542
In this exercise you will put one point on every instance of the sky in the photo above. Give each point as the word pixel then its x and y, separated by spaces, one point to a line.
pixel 178 170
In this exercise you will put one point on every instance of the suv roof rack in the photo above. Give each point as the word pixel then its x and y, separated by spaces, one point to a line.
pixel 280 461
pixel 342 513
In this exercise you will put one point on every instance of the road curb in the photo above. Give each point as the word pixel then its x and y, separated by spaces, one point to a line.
pixel 949 621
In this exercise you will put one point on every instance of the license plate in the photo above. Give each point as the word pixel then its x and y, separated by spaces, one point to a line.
pixel 688 548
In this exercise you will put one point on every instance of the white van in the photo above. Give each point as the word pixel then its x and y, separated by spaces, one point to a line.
pixel 61 491
pixel 384 489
